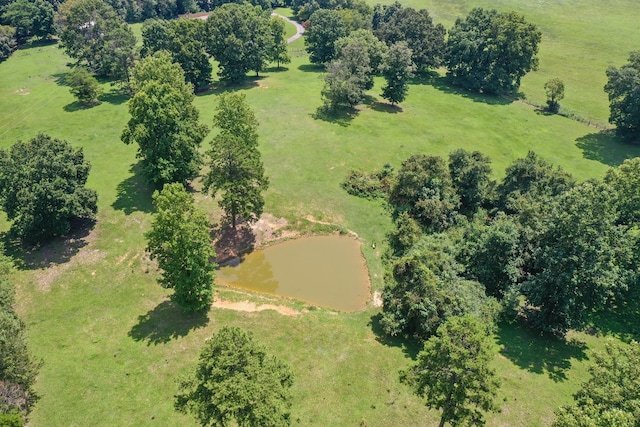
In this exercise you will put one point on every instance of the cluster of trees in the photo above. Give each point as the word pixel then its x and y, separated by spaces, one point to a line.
pixel 18 368
pixel 20 20
pixel 488 51
pixel 551 251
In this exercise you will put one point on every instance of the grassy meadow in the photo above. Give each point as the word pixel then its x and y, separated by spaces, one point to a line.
pixel 112 344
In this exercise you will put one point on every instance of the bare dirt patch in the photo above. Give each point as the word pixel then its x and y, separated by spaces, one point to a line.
pixel 251 307
pixel 377 299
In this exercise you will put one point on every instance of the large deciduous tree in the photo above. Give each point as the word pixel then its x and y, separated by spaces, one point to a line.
pixel 397 69
pixel 491 51
pixel 236 169
pixel 623 88
pixel 164 121
pixel 42 188
pixel 185 40
pixel 30 18
pixel 424 189
pixel 348 76
pixel 470 174
pixel 8 42
pixel 611 397
pixel 453 372
pixel 92 33
pixel 415 27
pixel 236 380
pixel 238 38
pixel 325 28
pixel 179 240
pixel 277 51
pixel 577 265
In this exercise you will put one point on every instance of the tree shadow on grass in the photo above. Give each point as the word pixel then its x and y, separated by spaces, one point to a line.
pixel 115 96
pixel 409 347
pixel 339 116
pixel 539 354
pixel 134 193
pixel 385 107
pixel 219 87
pixel 58 250
pixel 311 68
pixel 167 322
pixel 231 244
pixel 621 320
pixel 607 148
pixel 445 85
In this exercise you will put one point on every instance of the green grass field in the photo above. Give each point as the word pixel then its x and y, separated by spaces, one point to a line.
pixel 113 346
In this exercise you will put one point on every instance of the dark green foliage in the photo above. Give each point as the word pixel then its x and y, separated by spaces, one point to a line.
pixel 8 42
pixel 369 186
pixel 179 240
pixel 555 93
pixel 625 180
pixel 415 27
pixel 491 51
pixel 18 368
pixel 424 189
pixel 453 372
pixel 533 179
pixel 277 51
pixel 209 5
pixel 406 234
pixel 348 77
pixel 470 174
pixel 397 69
pixel 238 38
pixel 578 260
pixel 185 40
pixel 164 121
pixel 355 12
pixel 42 188
pixel 492 254
pixel 623 88
pixel 376 50
pixel 83 86
pixel 611 397
pixel 325 27
pixel 236 168
pixel 92 33
pixel 424 290
pixel 236 380
pixel 141 10
pixel 30 18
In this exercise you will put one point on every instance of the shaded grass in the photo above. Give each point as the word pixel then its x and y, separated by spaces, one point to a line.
pixel 112 343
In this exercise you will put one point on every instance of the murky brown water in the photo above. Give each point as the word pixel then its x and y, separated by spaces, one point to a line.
pixel 326 271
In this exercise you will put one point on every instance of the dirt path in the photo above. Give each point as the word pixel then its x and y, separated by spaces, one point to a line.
pixel 253 307
pixel 299 28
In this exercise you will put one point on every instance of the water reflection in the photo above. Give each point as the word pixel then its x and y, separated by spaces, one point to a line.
pixel 327 271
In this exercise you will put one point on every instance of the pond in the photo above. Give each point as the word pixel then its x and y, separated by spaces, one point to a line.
pixel 327 271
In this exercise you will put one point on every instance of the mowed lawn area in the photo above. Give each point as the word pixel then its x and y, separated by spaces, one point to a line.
pixel 112 344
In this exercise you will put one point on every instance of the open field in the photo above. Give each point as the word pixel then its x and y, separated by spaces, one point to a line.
pixel 580 39
pixel 112 344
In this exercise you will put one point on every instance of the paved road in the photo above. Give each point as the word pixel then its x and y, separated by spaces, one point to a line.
pixel 299 28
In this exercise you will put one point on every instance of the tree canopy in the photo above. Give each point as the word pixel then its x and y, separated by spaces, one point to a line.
pixel 611 397
pixel 179 240
pixel 92 33
pixel 491 51
pixel 164 121
pixel 236 169
pixel 236 380
pixel 396 23
pixel 42 188
pixel 623 88
pixel 453 372
pixel 239 39
pixel 325 27
pixel 184 39
pixel 397 69
pixel 30 18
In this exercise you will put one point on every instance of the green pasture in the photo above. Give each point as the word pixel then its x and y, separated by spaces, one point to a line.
pixel 113 345
pixel 580 39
